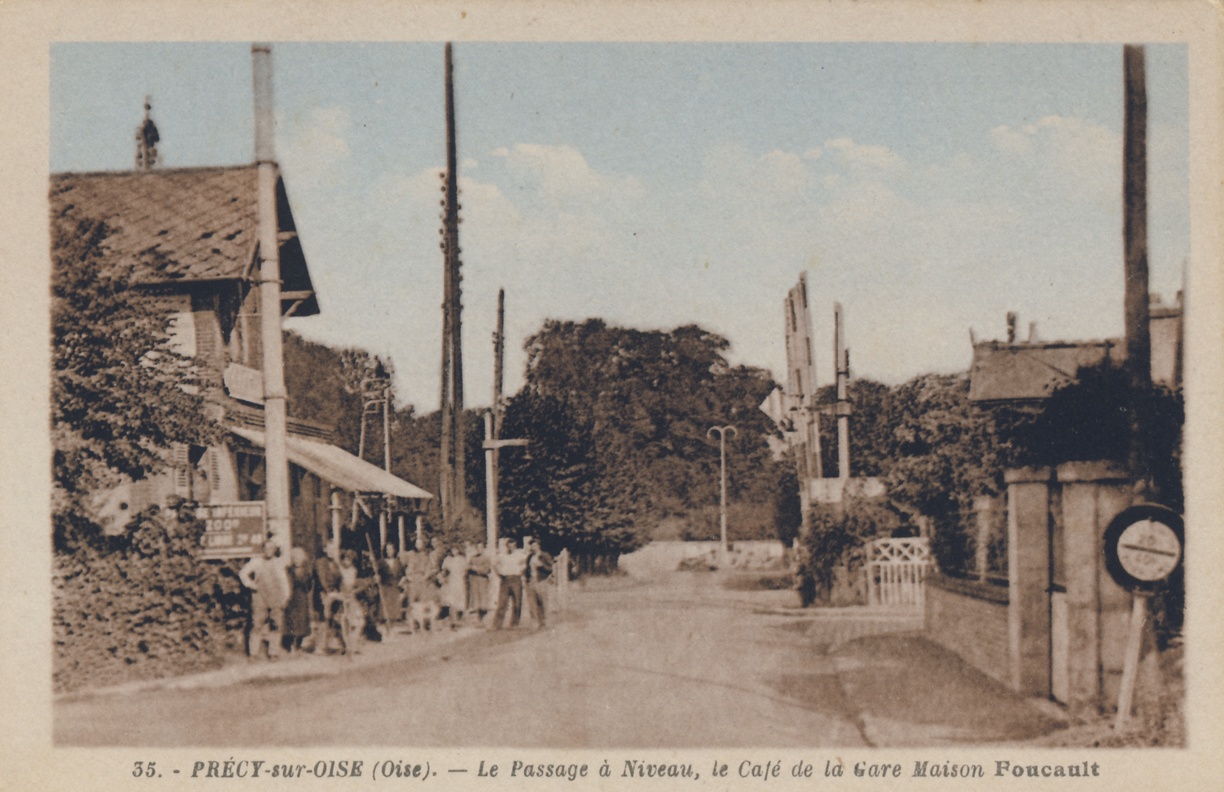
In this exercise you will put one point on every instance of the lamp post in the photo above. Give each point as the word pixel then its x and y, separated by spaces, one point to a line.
pixel 722 431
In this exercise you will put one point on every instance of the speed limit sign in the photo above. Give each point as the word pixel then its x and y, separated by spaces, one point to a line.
pixel 1144 545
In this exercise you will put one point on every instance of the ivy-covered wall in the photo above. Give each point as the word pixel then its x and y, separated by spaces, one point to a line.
pixel 143 605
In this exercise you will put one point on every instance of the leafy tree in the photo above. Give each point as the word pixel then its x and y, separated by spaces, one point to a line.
pixel 559 490
pixel 326 384
pixel 649 397
pixel 120 396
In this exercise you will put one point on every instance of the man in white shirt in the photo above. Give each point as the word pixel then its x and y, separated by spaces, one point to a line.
pixel 268 581
pixel 510 566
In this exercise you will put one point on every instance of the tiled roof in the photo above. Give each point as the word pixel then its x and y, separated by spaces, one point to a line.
pixel 1023 372
pixel 186 224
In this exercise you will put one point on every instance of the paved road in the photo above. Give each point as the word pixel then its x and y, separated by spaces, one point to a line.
pixel 674 662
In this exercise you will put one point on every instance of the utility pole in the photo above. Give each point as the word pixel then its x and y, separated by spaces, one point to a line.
pixel 1134 230
pixel 841 362
pixel 275 420
pixel 722 432
pixel 452 486
pixel 493 443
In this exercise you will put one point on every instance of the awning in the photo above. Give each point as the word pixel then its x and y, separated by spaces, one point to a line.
pixel 338 466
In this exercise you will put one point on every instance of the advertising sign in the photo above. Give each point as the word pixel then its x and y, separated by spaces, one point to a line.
pixel 233 530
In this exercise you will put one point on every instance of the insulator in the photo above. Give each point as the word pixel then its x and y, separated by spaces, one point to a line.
pixel 442 202
pixel 441 230
pixel 441 174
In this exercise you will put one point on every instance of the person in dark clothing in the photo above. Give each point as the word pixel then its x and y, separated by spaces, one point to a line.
pixel 539 570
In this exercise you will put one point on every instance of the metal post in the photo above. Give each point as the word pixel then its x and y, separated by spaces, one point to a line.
pixel 385 517
pixel 722 502
pixel 1130 661
pixel 490 485
pixel 275 421
pixel 333 544
pixel 841 363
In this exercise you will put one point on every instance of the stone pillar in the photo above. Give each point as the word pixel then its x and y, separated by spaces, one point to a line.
pixel 985 513
pixel 1098 609
pixel 1028 561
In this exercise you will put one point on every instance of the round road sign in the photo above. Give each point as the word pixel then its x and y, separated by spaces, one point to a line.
pixel 1144 546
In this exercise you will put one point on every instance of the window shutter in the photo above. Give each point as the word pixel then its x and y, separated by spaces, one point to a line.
pixel 182 463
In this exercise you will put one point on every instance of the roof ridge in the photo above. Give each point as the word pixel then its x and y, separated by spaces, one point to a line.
pixel 156 171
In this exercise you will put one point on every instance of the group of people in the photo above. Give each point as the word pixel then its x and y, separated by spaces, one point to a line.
pixel 425 585
pixel 294 599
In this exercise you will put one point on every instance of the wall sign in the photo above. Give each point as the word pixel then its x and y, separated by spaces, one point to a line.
pixel 232 530
pixel 1144 545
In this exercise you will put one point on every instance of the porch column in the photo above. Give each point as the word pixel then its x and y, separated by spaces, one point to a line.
pixel 1028 565
pixel 1098 609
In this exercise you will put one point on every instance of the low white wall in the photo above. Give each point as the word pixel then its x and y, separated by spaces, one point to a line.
pixel 658 557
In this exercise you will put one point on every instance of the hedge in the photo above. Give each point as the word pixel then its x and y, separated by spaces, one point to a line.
pixel 143 605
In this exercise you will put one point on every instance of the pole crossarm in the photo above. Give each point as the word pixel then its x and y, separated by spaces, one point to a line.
pixel 495 444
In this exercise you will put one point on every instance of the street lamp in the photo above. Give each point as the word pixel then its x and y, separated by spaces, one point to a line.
pixel 722 466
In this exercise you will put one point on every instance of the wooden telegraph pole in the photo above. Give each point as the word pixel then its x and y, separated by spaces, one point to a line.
pixel 1134 230
pixel 1138 345
pixel 493 442
pixel 453 484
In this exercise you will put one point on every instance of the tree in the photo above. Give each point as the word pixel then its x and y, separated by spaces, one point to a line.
pixel 649 396
pixel 120 396
pixel 559 490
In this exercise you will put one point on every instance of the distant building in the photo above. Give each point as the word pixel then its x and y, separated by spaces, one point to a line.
pixel 1018 371
pixel 191 236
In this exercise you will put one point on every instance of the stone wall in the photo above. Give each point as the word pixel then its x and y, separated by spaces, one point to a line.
pixel 970 619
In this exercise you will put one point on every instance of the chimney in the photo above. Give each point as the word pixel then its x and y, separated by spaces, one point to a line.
pixel 261 66
pixel 1011 327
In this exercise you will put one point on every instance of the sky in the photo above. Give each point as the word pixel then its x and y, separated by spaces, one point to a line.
pixel 928 188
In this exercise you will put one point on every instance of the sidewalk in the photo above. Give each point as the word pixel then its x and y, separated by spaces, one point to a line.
pixel 910 691
pixel 239 668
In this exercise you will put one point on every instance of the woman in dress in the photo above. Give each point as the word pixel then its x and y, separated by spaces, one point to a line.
pixel 297 612
pixel 479 568
pixel 454 586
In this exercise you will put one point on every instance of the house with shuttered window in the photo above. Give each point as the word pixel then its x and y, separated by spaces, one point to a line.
pixel 191 236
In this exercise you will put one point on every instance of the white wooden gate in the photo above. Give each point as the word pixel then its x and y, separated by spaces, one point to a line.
pixel 896 569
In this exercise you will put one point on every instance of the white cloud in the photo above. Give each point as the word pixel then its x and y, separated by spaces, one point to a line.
pixel 562 173
pixel 1079 158
pixel 316 147
pixel 322 134
pixel 1010 140
pixel 864 157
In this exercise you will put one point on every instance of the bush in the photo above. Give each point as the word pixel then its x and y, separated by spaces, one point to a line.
pixel 143 605
pixel 835 544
